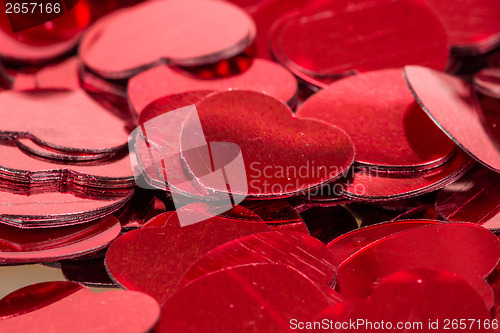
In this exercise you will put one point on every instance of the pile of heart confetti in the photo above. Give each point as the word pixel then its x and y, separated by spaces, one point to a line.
pixel 251 165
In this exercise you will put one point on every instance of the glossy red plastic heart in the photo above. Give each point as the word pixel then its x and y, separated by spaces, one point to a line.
pixel 474 198
pixel 453 106
pixel 53 209
pixel 463 248
pixel 59 306
pixel 115 48
pixel 420 299
pixel 27 246
pixel 262 75
pixel 261 125
pixel 395 132
pixel 348 244
pixel 258 298
pixel 368 184
pixel 472 26
pixel 153 260
pixel 408 33
pixel 304 253
pixel 62 120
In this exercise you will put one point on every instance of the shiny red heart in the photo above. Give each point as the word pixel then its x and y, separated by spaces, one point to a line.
pixel 62 306
pixel 53 209
pixel 115 46
pixel 472 26
pixel 348 244
pixel 388 127
pixel 18 166
pixel 368 184
pixel 261 126
pixel 63 120
pixel 463 248
pixel 153 260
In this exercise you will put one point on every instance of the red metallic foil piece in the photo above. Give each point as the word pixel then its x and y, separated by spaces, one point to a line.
pixel 388 128
pixel 473 198
pixel 466 249
pixel 260 298
pixel 261 125
pixel 115 46
pixel 453 106
pixel 336 38
pixel 153 260
pixel 302 252
pixel 31 246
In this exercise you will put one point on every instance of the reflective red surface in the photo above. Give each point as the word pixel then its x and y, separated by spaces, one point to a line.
pixel 348 244
pixel 421 299
pixel 263 297
pixel 487 81
pixel 153 260
pixel 260 125
pixel 473 198
pixel 453 106
pixel 388 129
pixel 115 48
pixel 466 249
pixel 59 306
pixel 53 209
pixel 408 33
pixel 302 252
pixel 377 185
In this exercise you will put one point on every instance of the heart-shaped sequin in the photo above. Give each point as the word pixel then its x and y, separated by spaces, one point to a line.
pixel 153 260
pixel 463 248
pixel 239 117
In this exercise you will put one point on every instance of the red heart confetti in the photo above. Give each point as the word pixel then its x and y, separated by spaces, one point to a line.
pixel 115 48
pixel 465 249
pixel 133 260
